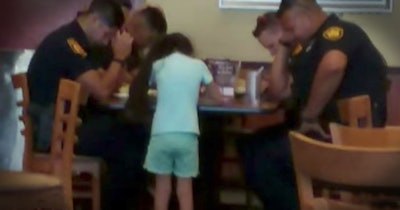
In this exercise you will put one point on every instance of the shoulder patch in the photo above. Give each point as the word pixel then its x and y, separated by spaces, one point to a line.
pixel 333 33
pixel 76 47
pixel 297 49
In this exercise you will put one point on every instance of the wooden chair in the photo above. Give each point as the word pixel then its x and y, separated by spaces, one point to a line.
pixel 355 111
pixel 42 162
pixel 19 82
pixel 26 191
pixel 64 125
pixel 388 137
pixel 86 183
pixel 341 167
pixel 43 191
pixel 84 171
pixel 63 136
pixel 64 128
pixel 327 204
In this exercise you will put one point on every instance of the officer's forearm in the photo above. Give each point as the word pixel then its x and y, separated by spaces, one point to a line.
pixel 280 77
pixel 325 84
pixel 111 77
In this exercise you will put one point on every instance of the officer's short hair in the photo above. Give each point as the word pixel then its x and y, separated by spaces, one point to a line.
pixel 108 10
pixel 155 19
pixel 125 3
pixel 288 4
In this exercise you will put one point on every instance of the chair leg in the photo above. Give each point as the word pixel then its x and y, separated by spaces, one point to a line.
pixel 95 194
pixel 248 199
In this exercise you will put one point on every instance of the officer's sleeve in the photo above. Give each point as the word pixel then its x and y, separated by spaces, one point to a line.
pixel 75 60
pixel 207 77
pixel 343 38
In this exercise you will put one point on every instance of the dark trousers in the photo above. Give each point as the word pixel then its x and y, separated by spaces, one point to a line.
pixel 122 146
pixel 268 167
pixel 210 147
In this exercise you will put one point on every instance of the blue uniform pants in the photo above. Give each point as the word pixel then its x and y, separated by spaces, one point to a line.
pixel 122 146
pixel 268 167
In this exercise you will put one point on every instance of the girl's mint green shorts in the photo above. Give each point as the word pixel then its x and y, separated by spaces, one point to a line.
pixel 173 153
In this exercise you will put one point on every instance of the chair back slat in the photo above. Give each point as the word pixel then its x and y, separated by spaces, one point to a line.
pixel 64 127
pixel 388 137
pixel 356 111
pixel 344 165
pixel 19 81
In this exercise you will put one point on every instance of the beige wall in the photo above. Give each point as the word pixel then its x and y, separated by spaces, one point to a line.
pixel 227 33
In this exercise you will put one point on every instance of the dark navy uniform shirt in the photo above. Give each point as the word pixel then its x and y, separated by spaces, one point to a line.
pixel 102 56
pixel 62 54
pixel 365 72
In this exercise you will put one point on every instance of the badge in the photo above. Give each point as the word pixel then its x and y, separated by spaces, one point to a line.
pixel 297 49
pixel 333 33
pixel 76 47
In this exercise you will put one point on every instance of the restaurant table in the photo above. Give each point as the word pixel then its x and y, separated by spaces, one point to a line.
pixel 230 106
pixel 28 191
pixel 213 118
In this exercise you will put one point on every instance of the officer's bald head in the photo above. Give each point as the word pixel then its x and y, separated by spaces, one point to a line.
pixel 298 19
pixel 305 5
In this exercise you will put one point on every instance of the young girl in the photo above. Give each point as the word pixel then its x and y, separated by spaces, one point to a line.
pixel 173 147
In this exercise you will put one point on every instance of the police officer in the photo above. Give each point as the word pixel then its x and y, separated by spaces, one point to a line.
pixel 335 60
pixel 109 134
pixel 265 152
pixel 66 53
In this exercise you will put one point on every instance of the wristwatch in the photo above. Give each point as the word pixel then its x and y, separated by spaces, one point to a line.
pixel 309 119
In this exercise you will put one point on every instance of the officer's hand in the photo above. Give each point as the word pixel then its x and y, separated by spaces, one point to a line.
pixel 286 43
pixel 313 128
pixel 101 72
pixel 122 45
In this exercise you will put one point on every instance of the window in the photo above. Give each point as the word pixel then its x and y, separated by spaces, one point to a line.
pixel 358 6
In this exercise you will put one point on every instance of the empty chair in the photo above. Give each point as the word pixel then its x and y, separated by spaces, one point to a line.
pixel 342 167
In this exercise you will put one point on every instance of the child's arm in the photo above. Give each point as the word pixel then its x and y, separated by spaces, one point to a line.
pixel 213 92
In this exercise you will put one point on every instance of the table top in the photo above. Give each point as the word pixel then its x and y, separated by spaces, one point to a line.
pixel 230 105
pixel 16 181
pixel 236 106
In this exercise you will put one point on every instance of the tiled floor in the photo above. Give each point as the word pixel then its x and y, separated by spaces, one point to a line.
pixel 238 197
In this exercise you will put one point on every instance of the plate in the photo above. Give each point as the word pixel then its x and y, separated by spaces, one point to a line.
pixel 121 95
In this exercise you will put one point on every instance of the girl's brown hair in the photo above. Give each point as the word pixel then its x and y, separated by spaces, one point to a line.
pixel 138 106
pixel 265 21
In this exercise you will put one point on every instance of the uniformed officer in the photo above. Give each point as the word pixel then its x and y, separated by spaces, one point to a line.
pixel 66 53
pixel 335 60
pixel 108 134
pixel 265 152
